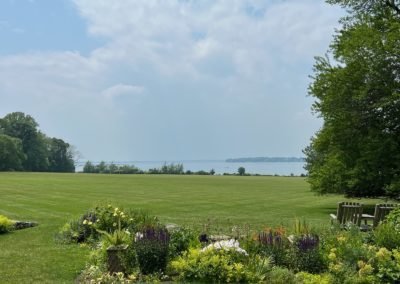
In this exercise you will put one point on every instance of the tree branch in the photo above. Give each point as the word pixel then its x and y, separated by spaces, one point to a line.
pixel 391 4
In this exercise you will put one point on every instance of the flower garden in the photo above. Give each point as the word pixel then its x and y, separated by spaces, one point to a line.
pixel 129 246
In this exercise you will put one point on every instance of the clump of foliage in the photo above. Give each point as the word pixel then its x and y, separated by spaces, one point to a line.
pixel 387 234
pixel 103 168
pixel 181 239
pixel 103 219
pixel 394 218
pixel 5 224
pixel 151 245
pixel 213 265
pixel 172 169
pixel 272 243
pixel 305 254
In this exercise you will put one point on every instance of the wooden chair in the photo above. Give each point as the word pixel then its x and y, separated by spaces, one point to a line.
pixel 381 210
pixel 348 212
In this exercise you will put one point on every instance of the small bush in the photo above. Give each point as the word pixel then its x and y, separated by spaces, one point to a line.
pixel 280 275
pixel 305 254
pixel 274 244
pixel 213 265
pixel 79 231
pixel 308 278
pixel 104 218
pixel 180 240
pixel 386 235
pixel 151 245
pixel 394 218
pixel 5 224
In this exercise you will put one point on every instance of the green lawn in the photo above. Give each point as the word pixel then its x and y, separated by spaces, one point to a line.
pixel 31 255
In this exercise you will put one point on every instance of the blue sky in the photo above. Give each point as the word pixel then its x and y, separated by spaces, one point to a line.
pixel 166 80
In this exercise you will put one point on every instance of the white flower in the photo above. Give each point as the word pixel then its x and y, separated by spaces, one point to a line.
pixel 138 236
pixel 226 245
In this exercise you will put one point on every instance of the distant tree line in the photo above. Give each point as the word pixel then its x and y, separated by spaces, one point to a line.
pixel 171 169
pixel 266 160
pixel 25 148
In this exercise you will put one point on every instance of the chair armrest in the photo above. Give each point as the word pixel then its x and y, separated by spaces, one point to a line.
pixel 367 216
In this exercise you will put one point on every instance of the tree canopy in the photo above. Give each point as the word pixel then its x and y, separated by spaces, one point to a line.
pixel 357 91
pixel 24 148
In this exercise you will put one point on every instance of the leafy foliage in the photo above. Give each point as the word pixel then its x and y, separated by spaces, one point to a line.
pixel 151 245
pixel 24 147
pixel 181 239
pixel 356 151
pixel 222 266
pixel 12 155
pixel 5 224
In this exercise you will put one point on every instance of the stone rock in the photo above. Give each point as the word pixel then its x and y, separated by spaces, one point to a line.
pixel 18 225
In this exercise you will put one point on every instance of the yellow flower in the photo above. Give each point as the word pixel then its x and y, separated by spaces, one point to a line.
pixel 383 253
pixel 368 269
pixel 361 264
pixel 90 223
pixel 85 222
pixel 332 256
pixel 131 219
pixel 341 239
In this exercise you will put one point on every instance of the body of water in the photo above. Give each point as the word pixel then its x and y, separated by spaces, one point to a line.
pixel 220 166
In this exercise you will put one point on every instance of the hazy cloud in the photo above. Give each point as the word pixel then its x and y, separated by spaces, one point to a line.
pixel 221 78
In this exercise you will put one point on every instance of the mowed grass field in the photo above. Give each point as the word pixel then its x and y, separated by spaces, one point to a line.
pixel 32 255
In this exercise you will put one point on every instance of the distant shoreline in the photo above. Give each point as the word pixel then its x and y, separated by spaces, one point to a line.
pixel 266 160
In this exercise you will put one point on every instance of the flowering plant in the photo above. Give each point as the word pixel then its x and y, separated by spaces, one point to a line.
pixel 226 245
pixel 118 237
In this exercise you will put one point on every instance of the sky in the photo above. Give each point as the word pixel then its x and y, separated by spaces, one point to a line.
pixel 155 80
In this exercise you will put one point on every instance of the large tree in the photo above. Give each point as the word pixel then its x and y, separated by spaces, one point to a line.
pixel 24 127
pixel 24 147
pixel 11 153
pixel 60 158
pixel 357 92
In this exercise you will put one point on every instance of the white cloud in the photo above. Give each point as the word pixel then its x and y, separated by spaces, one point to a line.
pixel 121 90
pixel 201 62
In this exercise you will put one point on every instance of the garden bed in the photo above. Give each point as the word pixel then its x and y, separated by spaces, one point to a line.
pixel 151 252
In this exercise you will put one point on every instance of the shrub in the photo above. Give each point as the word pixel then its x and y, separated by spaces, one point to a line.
pixel 394 218
pixel 305 254
pixel 274 244
pixel 180 240
pixel 280 275
pixel 308 278
pixel 151 245
pixel 220 265
pixel 387 265
pixel 386 235
pixel 93 274
pixel 80 230
pixel 5 224
pixel 104 218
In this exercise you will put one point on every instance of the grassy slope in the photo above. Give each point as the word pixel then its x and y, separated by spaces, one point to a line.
pixel 51 199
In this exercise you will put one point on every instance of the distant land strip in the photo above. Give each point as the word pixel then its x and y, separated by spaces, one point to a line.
pixel 266 160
